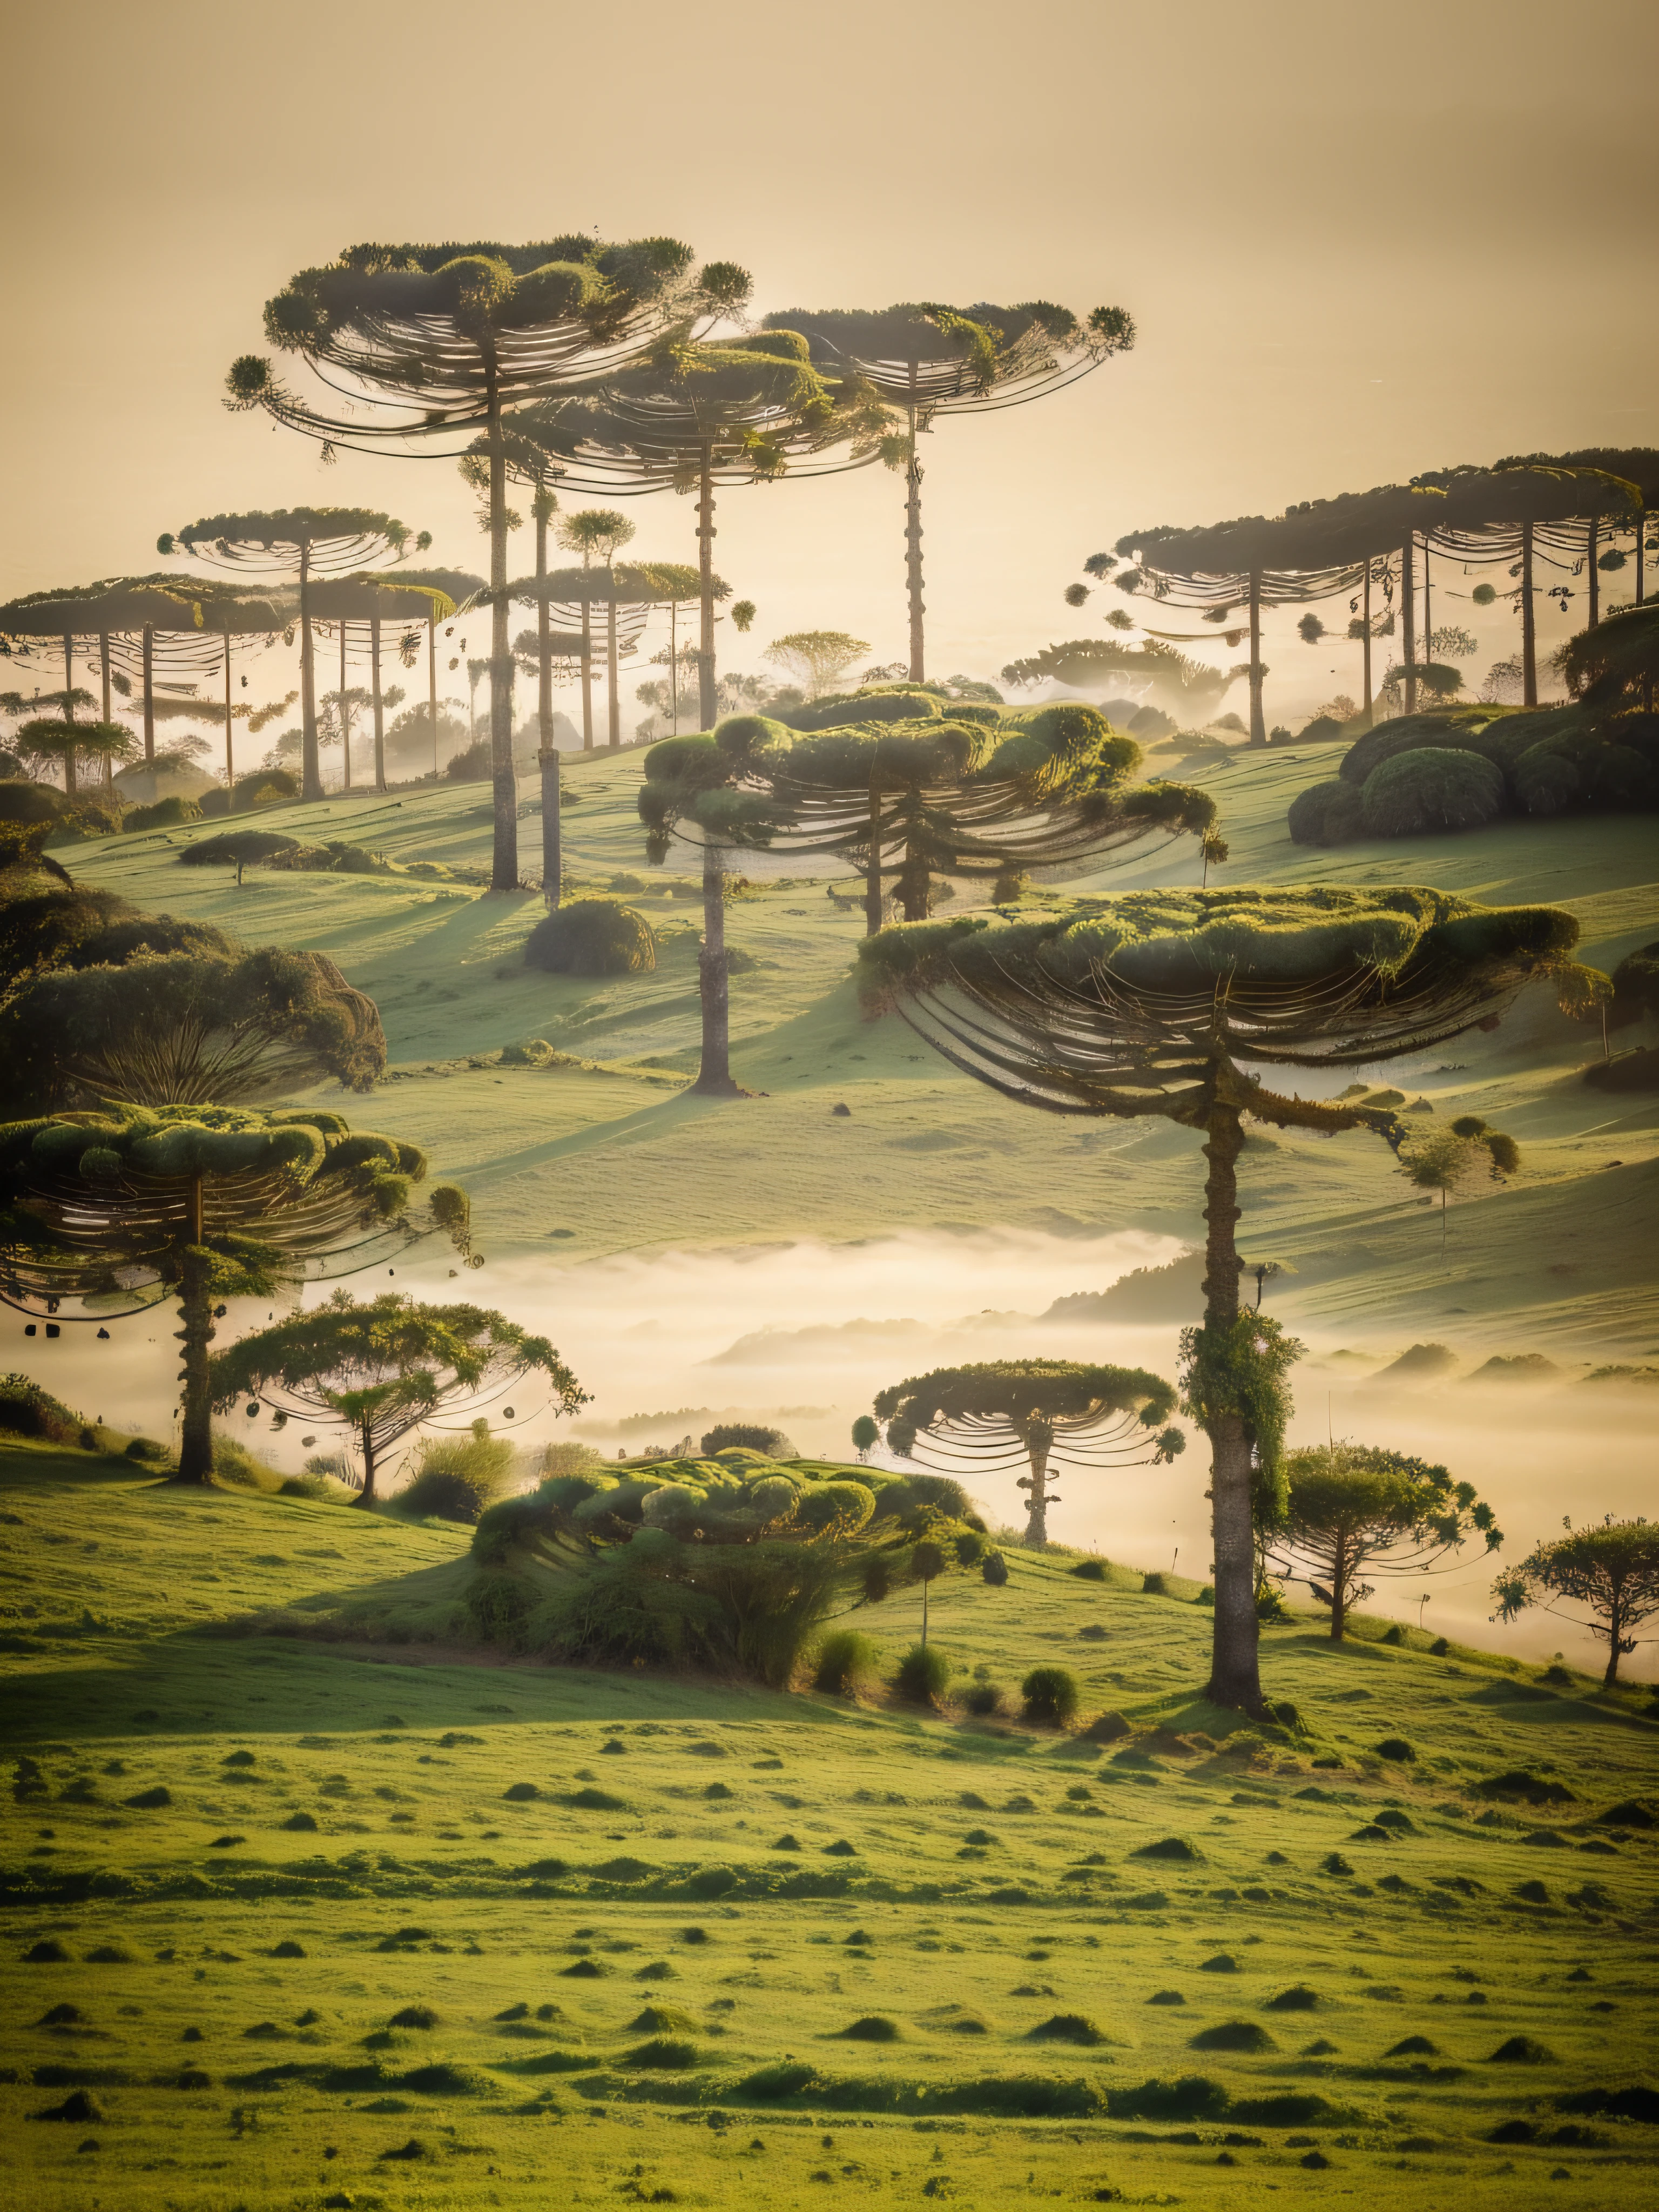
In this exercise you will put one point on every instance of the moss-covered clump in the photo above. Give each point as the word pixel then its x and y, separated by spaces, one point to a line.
pixel 592 936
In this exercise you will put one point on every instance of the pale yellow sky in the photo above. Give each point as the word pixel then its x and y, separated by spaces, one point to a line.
pixel 1359 242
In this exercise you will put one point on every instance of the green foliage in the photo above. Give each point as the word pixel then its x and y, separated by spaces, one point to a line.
pixel 846 1661
pixel 31 802
pixel 1051 1698
pixel 1326 814
pixel 171 813
pixel 1634 987
pixel 1359 1509
pixel 458 1478
pixel 924 1675
pixel 28 1410
pixel 1418 792
pixel 726 1562
pixel 748 1436
pixel 592 936
pixel 1611 1569
pixel 237 848
pixel 1241 1371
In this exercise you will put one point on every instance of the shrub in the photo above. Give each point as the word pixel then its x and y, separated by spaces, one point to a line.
pixel 1169 1847
pixel 1090 1570
pixel 472 763
pixel 1418 792
pixel 458 1476
pixel 845 1659
pixel 162 814
pixel 237 848
pixel 1107 1728
pixel 1298 1998
pixel 1522 2051
pixel 874 2028
pixel 234 1463
pixel 923 1676
pixel 31 802
pixel 1068 2028
pixel 592 936
pixel 26 1410
pixel 1396 1748
pixel 1326 814
pixel 984 1699
pixel 748 1436
pixel 1051 1698
pixel 1233 2035
pixel 993 1569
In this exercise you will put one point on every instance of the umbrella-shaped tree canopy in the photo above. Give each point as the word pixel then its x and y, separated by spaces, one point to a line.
pixel 307 543
pixel 995 1412
pixel 384 1368
pixel 199 1202
pixel 1164 1004
pixel 926 359
pixel 433 343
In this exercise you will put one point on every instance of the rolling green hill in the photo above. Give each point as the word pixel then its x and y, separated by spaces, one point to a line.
pixel 309 1903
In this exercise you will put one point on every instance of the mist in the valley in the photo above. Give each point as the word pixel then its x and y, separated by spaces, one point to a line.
pixel 801 1335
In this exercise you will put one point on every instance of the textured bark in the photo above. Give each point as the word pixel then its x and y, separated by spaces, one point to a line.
pixel 714 1074
pixel 1036 1511
pixel 103 670
pixel 1366 649
pixel 195 1334
pixel 504 862
pixel 913 548
pixel 432 687
pixel 1235 1677
pixel 707 696
pixel 345 719
pixel 1592 542
pixel 1339 1591
pixel 1258 719
pixel 872 873
pixel 365 1438
pixel 380 703
pixel 613 685
pixel 587 666
pixel 1529 623
pixel 551 862
pixel 1408 621
pixel 311 772
pixel 230 756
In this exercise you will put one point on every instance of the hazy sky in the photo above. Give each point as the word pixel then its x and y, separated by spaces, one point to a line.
pixel 1358 243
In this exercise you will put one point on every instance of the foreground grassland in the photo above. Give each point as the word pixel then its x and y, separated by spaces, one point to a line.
pixel 605 1153
pixel 309 1902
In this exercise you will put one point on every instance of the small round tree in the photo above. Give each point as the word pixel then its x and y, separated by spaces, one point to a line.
pixel 1146 1004
pixel 1611 1571
pixel 200 1204
pixel 383 1369
pixel 1354 1509
pixel 1444 1160
pixel 1043 1411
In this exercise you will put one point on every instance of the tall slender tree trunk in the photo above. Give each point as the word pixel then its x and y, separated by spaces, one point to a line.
pixel 432 686
pixel 913 544
pixel 1615 1641
pixel 1365 618
pixel 915 883
pixel 69 714
pixel 504 863
pixel 613 691
pixel 103 672
pixel 345 717
pixel 195 1334
pixel 1339 1591
pixel 311 770
pixel 547 755
pixel 379 702
pixel 230 754
pixel 674 667
pixel 873 898
pixel 714 1074
pixel 707 696
pixel 365 1438
pixel 1529 623
pixel 1036 1512
pixel 1593 574
pixel 1258 719
pixel 148 677
pixel 1408 619
pixel 1235 1677
pixel 587 660
pixel 1428 609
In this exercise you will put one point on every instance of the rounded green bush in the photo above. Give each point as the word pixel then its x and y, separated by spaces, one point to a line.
pixel 234 848
pixel 162 814
pixel 993 1569
pixel 1420 793
pixel 31 802
pixel 1396 1747
pixel 923 1676
pixel 748 1436
pixel 1051 1698
pixel 845 1660
pixel 984 1699
pixel 592 936
pixel 1326 814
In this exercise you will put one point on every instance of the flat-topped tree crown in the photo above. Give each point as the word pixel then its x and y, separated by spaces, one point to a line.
pixel 304 543
pixel 383 1368
pixel 201 1203
pixel 927 359
pixel 434 342
pixel 1164 1004
pixel 997 1412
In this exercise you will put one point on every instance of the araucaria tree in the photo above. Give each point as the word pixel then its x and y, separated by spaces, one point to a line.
pixel 1610 1569
pixel 301 542
pixel 922 361
pixel 383 1369
pixel 1352 1510
pixel 433 344
pixel 200 1204
pixel 1157 1003
pixel 996 1412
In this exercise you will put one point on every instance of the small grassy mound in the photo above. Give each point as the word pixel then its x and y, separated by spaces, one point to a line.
pixel 1233 2035
pixel 592 936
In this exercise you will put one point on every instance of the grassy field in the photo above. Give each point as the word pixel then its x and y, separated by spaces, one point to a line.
pixel 609 1156
pixel 308 1903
